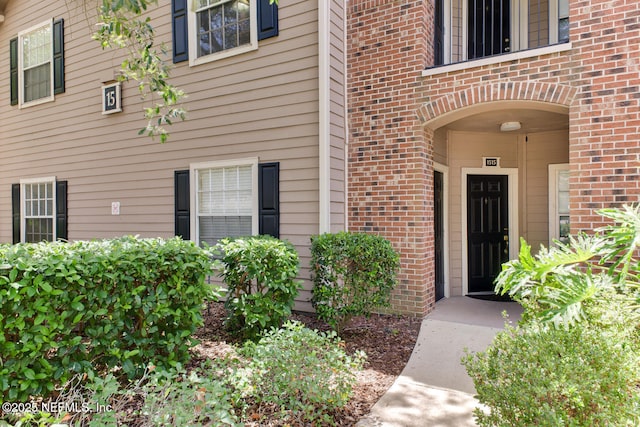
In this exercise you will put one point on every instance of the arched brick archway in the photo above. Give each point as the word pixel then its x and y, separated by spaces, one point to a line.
pixel 457 104
pixel 529 99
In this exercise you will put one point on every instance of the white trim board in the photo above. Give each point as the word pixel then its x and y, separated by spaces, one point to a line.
pixel 444 170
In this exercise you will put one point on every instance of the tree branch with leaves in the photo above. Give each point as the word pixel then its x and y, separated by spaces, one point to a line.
pixel 122 25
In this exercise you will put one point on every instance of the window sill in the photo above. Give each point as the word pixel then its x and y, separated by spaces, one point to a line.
pixel 474 63
pixel 36 102
pixel 221 55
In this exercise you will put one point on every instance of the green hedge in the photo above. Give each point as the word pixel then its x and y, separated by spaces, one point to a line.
pixel 68 308
pixel 259 272
pixel 353 274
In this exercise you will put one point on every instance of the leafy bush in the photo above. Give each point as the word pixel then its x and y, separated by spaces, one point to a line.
pixel 30 419
pixel 259 273
pixel 574 358
pixel 82 307
pixel 559 284
pixel 353 274
pixel 187 400
pixel 537 376
pixel 157 398
pixel 296 374
pixel 305 373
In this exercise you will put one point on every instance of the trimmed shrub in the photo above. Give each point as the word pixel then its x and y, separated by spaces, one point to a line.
pixel 259 272
pixel 353 274
pixel 537 376
pixel 83 307
pixel 304 373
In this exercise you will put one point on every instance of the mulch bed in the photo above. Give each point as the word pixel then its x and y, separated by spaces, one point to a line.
pixel 387 340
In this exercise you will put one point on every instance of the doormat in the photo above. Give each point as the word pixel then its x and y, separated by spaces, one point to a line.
pixel 492 297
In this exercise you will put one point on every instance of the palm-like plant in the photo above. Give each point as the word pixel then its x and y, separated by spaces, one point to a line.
pixel 558 284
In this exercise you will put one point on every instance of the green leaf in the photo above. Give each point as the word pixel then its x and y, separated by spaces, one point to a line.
pixel 29 374
pixel 77 318
pixel 76 305
pixel 46 286
pixel 39 319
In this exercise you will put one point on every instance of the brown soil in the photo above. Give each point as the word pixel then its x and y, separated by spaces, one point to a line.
pixel 387 340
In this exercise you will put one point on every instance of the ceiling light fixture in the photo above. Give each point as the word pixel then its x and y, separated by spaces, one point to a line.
pixel 510 126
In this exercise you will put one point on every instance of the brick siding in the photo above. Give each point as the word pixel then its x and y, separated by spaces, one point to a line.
pixel 391 169
pixel 391 163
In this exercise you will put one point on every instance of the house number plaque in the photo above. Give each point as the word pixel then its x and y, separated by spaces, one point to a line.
pixel 111 99
pixel 491 162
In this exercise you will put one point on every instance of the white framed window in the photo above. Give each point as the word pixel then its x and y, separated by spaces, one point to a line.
pixel 35 64
pixel 224 198
pixel 559 223
pixel 563 21
pixel 221 28
pixel 475 29
pixel 37 209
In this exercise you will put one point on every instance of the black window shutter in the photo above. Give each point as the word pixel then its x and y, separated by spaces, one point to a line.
pixel 438 36
pixel 13 66
pixel 15 210
pixel 267 19
pixel 182 204
pixel 179 15
pixel 269 198
pixel 58 56
pixel 61 211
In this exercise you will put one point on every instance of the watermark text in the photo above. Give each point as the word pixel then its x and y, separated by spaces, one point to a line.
pixel 54 407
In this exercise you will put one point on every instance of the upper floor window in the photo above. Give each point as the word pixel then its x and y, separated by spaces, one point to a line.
pixel 37 64
pixel 469 29
pixel 563 21
pixel 206 30
pixel 36 55
pixel 221 28
pixel 222 25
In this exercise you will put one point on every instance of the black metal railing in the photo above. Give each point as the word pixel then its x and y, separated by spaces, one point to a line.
pixel 471 29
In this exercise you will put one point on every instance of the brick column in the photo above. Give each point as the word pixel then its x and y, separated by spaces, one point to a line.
pixel 390 154
pixel 605 120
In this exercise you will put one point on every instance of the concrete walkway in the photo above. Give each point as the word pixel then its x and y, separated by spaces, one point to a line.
pixel 434 388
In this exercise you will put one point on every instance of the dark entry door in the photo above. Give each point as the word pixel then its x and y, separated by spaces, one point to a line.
pixel 487 229
pixel 489 27
pixel 438 219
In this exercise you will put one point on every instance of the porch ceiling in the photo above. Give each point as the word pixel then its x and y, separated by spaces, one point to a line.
pixel 532 121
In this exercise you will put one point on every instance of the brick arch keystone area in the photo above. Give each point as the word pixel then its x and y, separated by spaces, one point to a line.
pixel 447 108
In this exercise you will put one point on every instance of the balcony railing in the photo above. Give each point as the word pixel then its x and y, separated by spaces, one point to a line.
pixel 471 29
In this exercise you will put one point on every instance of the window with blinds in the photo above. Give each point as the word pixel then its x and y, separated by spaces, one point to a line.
pixel 224 202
